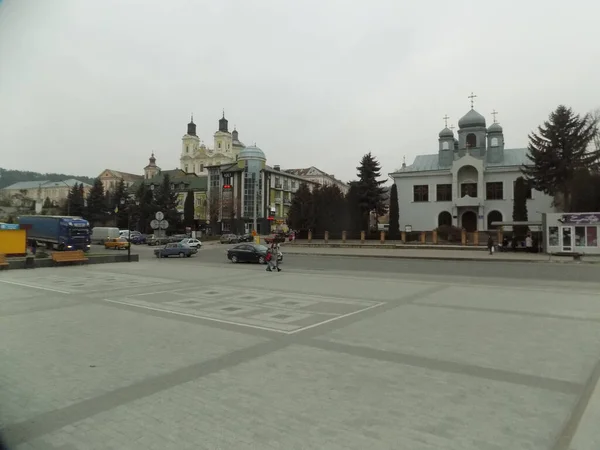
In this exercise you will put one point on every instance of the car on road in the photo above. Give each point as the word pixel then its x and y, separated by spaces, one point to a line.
pixel 250 253
pixel 194 243
pixel 116 244
pixel 229 239
pixel 174 249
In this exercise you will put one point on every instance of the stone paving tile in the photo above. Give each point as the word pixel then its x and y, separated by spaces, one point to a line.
pixel 55 358
pixel 312 399
pixel 568 305
pixel 523 344
pixel 335 286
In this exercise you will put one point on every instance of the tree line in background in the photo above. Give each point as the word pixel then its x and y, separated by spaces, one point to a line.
pixel 121 208
pixel 326 208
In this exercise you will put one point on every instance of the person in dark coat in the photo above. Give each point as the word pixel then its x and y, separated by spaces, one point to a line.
pixel 490 244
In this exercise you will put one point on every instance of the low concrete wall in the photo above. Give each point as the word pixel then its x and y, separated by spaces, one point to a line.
pixel 47 262
pixel 389 246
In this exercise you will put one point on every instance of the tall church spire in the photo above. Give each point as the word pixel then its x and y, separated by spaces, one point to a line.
pixel 223 124
pixel 191 128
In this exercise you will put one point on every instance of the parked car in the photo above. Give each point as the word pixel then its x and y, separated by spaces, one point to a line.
pixel 250 253
pixel 229 239
pixel 116 243
pixel 246 237
pixel 155 240
pixel 174 249
pixel 138 239
pixel 194 243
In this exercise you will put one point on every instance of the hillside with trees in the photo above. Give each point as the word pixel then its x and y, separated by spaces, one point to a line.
pixel 8 177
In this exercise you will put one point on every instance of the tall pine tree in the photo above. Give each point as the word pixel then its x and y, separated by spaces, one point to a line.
pixel 301 211
pixel 188 209
pixel 146 208
pixel 113 203
pixel 75 204
pixel 394 231
pixel 520 206
pixel 166 201
pixel 95 211
pixel 371 196
pixel 559 149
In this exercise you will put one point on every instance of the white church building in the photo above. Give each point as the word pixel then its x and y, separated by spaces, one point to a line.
pixel 468 183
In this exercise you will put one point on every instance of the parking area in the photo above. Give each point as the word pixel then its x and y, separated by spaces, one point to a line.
pixel 168 354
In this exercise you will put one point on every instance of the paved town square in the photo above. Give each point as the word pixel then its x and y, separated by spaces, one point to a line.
pixel 186 354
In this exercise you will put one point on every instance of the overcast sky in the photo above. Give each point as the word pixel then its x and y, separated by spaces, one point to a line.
pixel 87 85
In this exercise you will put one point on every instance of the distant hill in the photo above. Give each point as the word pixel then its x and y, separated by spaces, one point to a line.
pixel 8 177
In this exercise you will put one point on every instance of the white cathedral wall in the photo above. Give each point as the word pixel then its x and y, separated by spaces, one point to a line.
pixel 421 216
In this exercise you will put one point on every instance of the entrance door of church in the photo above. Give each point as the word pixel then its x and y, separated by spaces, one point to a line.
pixel 469 221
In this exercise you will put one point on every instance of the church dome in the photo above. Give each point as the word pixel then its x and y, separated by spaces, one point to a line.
pixel 471 119
pixel 495 128
pixel 446 132
pixel 252 152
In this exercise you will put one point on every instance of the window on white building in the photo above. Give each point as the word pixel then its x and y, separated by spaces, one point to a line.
pixel 421 193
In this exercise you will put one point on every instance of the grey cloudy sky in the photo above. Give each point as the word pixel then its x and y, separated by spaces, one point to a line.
pixel 87 85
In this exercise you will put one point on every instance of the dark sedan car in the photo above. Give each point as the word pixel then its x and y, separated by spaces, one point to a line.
pixel 249 253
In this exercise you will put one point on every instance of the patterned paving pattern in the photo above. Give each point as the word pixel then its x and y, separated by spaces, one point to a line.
pixel 282 312
pixel 87 282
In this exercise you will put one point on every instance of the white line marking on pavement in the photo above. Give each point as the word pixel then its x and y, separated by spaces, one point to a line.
pixel 34 287
pixel 333 319
pixel 197 316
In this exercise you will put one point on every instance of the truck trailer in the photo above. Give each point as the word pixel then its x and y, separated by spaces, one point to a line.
pixel 57 232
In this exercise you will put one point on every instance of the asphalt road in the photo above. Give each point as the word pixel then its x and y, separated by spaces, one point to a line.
pixel 215 254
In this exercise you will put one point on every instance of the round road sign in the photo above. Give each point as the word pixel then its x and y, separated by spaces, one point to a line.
pixel 163 224
pixel 154 224
pixel 159 215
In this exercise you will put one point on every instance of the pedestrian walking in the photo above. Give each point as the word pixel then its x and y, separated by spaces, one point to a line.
pixel 272 263
pixel 490 244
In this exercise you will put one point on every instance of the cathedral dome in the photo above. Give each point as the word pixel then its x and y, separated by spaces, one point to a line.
pixel 252 152
pixel 471 119
pixel 446 132
pixel 495 128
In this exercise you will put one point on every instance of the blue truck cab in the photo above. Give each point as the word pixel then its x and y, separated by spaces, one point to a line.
pixel 58 232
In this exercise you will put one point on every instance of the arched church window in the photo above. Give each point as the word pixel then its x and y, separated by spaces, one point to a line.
pixel 219 145
pixel 494 142
pixel 471 140
pixel 445 146
pixel 187 148
pixel 186 168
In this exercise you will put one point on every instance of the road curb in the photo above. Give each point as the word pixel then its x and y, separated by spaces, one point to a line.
pixel 441 258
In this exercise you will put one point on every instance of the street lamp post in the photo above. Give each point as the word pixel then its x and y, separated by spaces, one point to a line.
pixel 129 205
